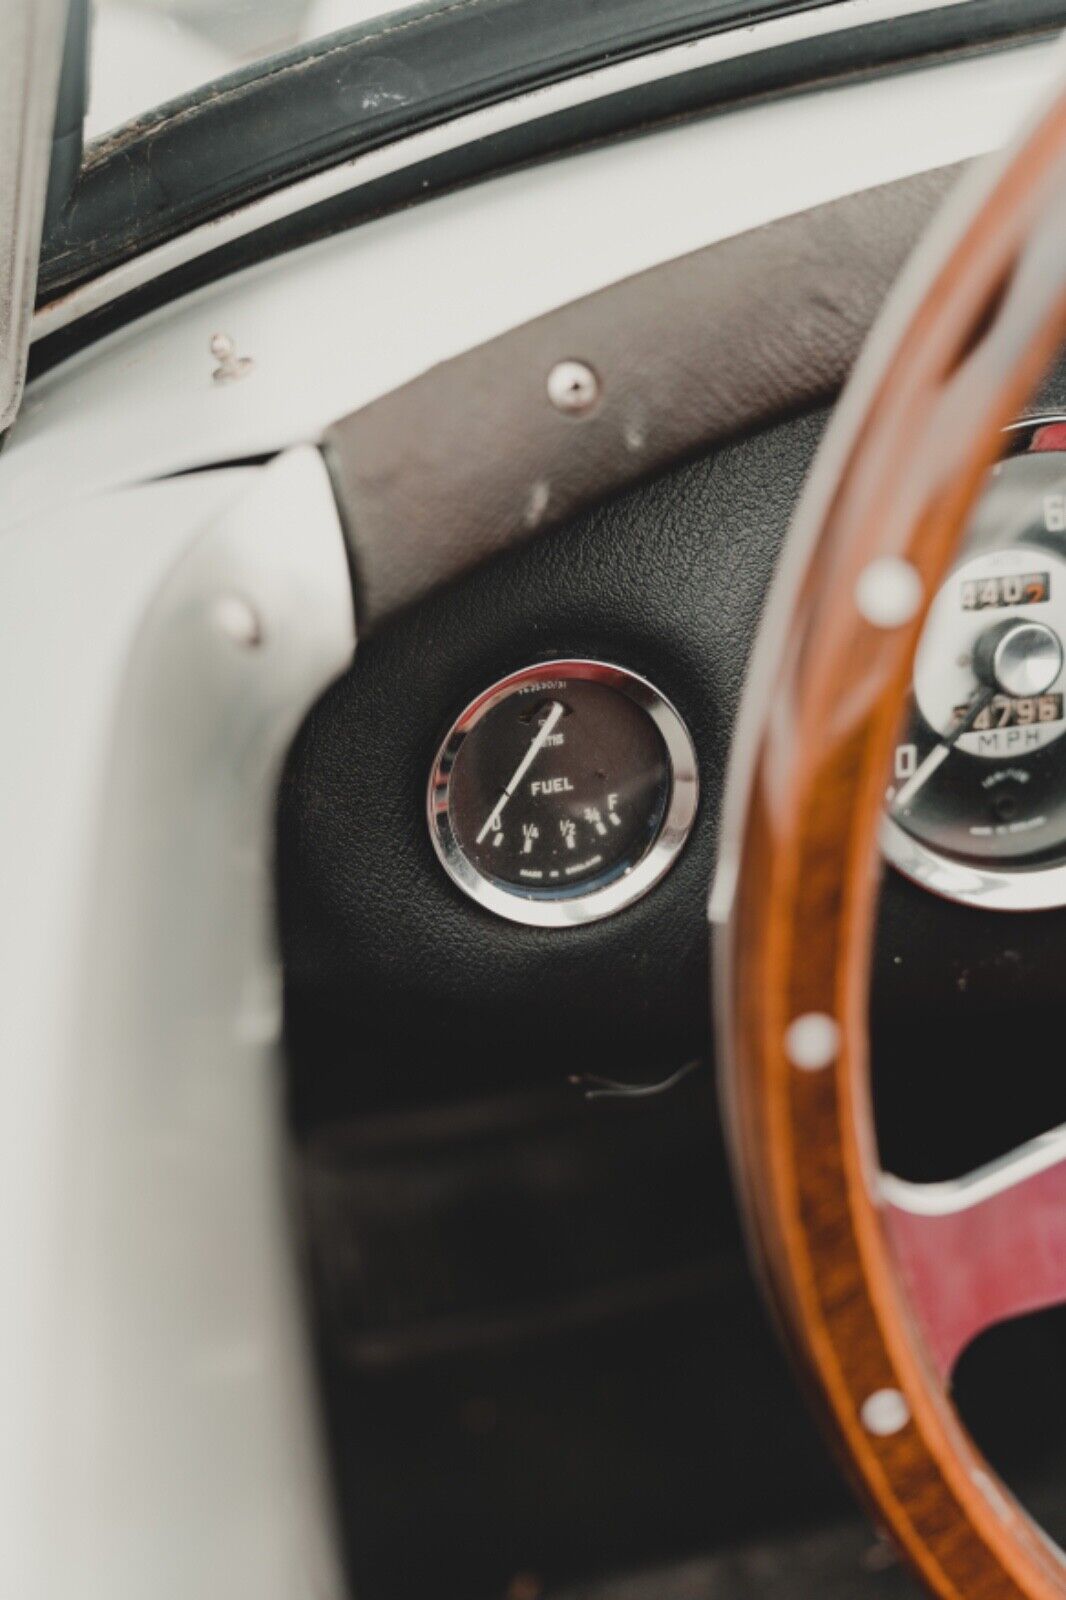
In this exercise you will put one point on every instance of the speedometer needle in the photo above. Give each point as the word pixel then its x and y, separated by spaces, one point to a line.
pixel 940 752
pixel 523 767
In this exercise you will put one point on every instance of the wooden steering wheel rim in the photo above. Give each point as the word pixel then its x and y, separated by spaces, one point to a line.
pixel 969 332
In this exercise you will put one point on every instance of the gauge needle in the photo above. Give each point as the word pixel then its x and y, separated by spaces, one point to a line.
pixel 940 752
pixel 523 767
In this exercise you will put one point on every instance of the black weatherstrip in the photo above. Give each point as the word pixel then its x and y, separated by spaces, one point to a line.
pixel 197 159
pixel 353 91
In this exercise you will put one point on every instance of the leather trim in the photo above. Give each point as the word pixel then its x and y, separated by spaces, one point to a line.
pixel 472 457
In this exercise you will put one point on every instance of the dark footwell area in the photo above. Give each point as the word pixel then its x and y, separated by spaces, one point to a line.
pixel 839 1561
pixel 544 1356
pixel 548 1372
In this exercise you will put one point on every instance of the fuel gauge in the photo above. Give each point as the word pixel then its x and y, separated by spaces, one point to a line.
pixel 563 793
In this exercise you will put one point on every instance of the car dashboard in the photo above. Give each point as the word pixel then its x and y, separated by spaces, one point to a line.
pixel 541 1362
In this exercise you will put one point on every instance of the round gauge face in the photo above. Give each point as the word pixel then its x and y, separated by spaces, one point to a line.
pixel 563 793
pixel 977 803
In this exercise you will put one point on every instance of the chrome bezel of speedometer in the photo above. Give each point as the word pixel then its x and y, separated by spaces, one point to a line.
pixel 1020 885
pixel 549 907
pixel 1017 889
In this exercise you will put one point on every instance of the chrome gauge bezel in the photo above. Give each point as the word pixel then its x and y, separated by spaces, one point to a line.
pixel 1008 889
pixel 575 910
pixel 995 889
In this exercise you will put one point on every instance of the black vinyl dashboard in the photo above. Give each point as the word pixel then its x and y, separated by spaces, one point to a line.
pixel 442 998
pixel 475 1228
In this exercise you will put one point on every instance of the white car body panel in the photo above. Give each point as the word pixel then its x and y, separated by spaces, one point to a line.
pixel 333 325
pixel 160 1436
pixel 159 1427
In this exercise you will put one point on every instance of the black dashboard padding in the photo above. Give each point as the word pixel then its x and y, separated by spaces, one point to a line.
pixel 472 457
pixel 398 984
pixel 399 987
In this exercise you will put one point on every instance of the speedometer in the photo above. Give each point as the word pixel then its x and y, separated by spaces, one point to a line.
pixel 977 804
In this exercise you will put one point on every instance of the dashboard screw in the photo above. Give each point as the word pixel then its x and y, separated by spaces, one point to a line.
pixel 238 620
pixel 231 366
pixel 573 388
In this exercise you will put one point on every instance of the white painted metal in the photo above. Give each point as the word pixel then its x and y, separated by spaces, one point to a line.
pixel 158 1436
pixel 581 89
pixel 31 48
pixel 341 321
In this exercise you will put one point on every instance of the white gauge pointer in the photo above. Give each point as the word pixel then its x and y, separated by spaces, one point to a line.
pixel 940 752
pixel 546 727
pixel 1013 658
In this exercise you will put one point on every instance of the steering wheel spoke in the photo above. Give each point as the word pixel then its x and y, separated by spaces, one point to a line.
pixel 981 1249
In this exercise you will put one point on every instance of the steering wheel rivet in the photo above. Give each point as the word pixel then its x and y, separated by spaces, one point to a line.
pixel 889 592
pixel 812 1041
pixel 884 1413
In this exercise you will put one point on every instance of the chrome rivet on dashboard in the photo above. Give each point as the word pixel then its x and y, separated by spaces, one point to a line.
pixel 812 1041
pixel 884 1413
pixel 889 592
pixel 238 620
pixel 573 388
